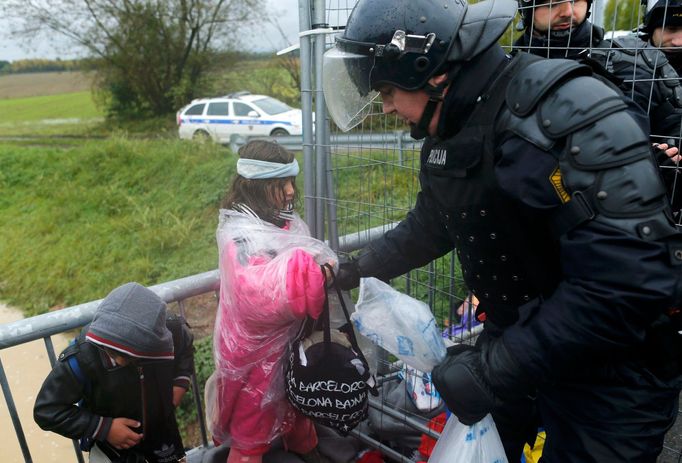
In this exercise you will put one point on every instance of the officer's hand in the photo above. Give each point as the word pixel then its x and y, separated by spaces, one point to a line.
pixel 459 381
pixel 472 380
pixel 348 276
pixel 121 435
pixel 672 152
pixel 667 154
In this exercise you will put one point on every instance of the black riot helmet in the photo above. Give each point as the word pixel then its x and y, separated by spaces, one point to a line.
pixel 663 13
pixel 404 43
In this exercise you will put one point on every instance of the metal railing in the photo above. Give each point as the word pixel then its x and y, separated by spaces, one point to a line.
pixel 47 325
pixel 399 139
pixel 53 323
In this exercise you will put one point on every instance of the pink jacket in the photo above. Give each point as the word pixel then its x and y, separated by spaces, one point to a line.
pixel 270 282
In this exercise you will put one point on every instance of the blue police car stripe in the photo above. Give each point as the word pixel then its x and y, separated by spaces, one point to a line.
pixel 234 122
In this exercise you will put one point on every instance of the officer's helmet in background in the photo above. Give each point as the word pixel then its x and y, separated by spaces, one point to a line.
pixel 660 13
pixel 404 43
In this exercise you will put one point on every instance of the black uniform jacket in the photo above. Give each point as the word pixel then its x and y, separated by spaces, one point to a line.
pixel 565 303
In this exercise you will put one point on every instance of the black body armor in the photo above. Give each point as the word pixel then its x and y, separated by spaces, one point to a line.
pixel 605 172
pixel 501 261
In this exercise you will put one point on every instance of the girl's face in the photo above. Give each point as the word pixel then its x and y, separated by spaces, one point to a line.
pixel 284 198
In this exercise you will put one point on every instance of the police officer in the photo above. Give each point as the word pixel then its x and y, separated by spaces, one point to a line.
pixel 560 29
pixel 545 185
pixel 663 28
pixel 557 28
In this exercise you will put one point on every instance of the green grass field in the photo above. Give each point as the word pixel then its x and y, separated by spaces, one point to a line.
pixel 76 222
pixel 50 115
pixel 77 105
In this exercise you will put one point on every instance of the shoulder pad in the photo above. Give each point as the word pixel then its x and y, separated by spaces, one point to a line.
pixel 609 163
pixel 525 128
pixel 528 87
pixel 577 103
pixel 669 80
pixel 616 139
pixel 642 56
pixel 633 46
pixel 653 56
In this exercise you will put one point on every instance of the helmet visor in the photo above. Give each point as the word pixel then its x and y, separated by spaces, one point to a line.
pixel 346 86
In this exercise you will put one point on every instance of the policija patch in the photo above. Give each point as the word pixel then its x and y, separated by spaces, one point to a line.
pixel 555 180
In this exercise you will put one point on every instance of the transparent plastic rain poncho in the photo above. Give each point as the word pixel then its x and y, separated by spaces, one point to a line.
pixel 270 280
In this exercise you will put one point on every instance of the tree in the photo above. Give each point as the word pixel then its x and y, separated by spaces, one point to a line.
pixel 290 61
pixel 150 55
pixel 623 14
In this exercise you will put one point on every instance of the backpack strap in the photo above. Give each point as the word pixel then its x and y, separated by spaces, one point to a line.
pixel 325 314
pixel 371 383
pixel 72 358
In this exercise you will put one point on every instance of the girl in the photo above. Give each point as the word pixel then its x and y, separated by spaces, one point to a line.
pixel 270 279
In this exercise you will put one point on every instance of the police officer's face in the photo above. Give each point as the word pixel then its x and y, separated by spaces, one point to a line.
pixel 409 105
pixel 559 15
pixel 667 37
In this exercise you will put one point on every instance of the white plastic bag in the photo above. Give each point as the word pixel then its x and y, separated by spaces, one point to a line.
pixel 478 443
pixel 420 389
pixel 400 324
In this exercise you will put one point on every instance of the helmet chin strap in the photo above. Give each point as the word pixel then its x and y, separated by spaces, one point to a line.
pixel 436 95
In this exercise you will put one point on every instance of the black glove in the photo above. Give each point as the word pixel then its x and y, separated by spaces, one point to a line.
pixel 348 276
pixel 472 380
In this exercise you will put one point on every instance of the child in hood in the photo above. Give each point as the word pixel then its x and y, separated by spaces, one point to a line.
pixel 270 280
pixel 117 385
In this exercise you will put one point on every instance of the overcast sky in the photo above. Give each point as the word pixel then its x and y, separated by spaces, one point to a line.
pixel 265 38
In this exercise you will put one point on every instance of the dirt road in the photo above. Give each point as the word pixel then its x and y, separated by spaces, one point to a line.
pixel 26 366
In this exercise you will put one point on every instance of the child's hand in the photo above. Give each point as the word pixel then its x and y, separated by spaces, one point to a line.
pixel 178 392
pixel 121 436
pixel 328 275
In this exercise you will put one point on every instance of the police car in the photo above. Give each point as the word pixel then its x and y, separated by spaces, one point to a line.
pixel 238 113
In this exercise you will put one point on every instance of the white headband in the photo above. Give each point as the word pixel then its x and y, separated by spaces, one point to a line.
pixel 255 169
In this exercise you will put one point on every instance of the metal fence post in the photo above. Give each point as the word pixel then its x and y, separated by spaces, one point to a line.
pixel 307 109
pixel 321 130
